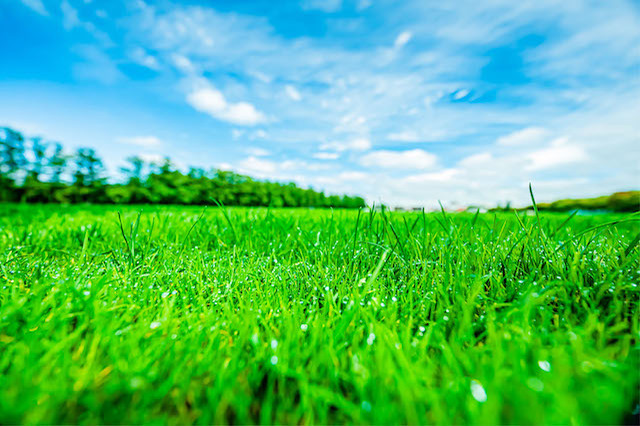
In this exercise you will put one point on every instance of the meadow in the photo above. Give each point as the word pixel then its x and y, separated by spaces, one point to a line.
pixel 176 314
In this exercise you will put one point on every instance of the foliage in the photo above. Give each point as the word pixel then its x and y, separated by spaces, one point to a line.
pixel 618 202
pixel 621 202
pixel 262 315
pixel 33 171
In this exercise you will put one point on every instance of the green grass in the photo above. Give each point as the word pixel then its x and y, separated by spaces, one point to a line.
pixel 243 315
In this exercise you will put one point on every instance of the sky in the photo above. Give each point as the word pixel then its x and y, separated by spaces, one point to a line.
pixel 403 102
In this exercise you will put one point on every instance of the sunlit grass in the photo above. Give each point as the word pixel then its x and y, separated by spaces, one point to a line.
pixel 181 315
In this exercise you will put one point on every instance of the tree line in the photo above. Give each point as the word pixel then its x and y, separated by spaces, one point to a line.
pixel 628 201
pixel 35 171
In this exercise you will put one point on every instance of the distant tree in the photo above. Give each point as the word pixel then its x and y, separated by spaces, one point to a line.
pixel 37 176
pixel 12 158
pixel 57 163
pixel 39 162
pixel 88 167
pixel 196 173
pixel 135 169
pixel 166 167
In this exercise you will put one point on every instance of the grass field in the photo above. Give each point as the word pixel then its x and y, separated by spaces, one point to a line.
pixel 246 315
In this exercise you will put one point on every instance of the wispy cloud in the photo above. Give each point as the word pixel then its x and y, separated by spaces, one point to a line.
pixel 530 136
pixel 323 5
pixel 37 6
pixel 258 152
pixel 142 141
pixel 402 39
pixel 206 98
pixel 96 66
pixel 559 152
pixel 356 144
pixel 326 155
pixel 401 160
pixel 69 15
pixel 142 57
pixel 292 92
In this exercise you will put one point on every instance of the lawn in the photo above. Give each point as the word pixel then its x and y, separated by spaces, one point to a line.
pixel 156 314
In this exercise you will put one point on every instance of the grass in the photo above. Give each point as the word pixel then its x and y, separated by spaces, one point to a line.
pixel 183 315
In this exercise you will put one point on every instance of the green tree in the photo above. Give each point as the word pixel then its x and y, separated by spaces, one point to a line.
pixel 57 163
pixel 135 170
pixel 88 167
pixel 39 162
pixel 12 158
pixel 41 180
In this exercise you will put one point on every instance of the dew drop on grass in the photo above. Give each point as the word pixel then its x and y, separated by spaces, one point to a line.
pixel 274 344
pixel 544 365
pixel 371 339
pixel 535 384
pixel 86 293
pixel 155 325
pixel 136 383
pixel 304 327
pixel 274 360
pixel 165 294
pixel 478 392
pixel 366 406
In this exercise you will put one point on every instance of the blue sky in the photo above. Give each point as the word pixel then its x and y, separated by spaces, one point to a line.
pixel 402 102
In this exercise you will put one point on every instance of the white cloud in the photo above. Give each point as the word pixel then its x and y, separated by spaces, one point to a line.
pixel 182 63
pixel 357 144
pixel 459 94
pixel 141 57
pixel 528 136
pixel 481 159
pixel 327 6
pixel 351 123
pixel 69 15
pixel 441 176
pixel 258 166
pixel 259 134
pixel 143 141
pixel 560 152
pixel 205 98
pixel 278 170
pixel 152 158
pixel 292 92
pixel 402 39
pixel 401 160
pixel 97 66
pixel 258 152
pixel 262 77
pixel 352 176
pixel 405 136
pixel 326 155
pixel 363 5
pixel 37 6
